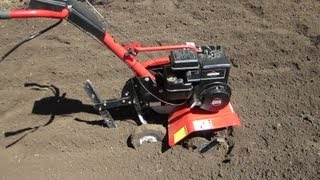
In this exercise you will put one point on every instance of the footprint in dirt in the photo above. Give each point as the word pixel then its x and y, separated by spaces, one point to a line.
pixel 100 2
pixel 258 10
pixel 302 29
pixel 315 40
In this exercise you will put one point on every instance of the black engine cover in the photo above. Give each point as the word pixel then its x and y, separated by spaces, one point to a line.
pixel 214 96
pixel 200 77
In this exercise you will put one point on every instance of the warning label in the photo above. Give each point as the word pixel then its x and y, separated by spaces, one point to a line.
pixel 204 124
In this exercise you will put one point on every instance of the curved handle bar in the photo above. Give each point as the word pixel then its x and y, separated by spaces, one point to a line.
pixel 122 52
pixel 31 13
pixel 165 48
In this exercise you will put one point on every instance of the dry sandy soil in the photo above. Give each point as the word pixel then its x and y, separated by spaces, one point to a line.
pixel 275 80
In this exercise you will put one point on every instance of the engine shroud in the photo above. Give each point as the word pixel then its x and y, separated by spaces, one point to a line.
pixel 198 79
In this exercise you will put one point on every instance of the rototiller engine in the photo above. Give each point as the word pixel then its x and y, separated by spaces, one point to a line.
pixel 190 85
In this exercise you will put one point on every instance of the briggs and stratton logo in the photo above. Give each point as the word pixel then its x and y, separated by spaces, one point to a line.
pixel 213 73
pixel 216 102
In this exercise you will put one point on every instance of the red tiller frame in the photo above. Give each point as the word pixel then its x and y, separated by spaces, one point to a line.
pixel 126 53
pixel 156 62
pixel 165 48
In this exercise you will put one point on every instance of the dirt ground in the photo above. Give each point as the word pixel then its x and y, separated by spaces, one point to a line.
pixel 274 46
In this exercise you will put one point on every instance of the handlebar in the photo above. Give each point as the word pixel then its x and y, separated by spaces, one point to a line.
pixel 9 14
pixel 81 16
pixel 5 14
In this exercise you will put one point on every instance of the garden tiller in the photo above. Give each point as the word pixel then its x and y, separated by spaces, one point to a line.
pixel 190 84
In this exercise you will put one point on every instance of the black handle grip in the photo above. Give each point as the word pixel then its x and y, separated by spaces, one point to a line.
pixel 5 14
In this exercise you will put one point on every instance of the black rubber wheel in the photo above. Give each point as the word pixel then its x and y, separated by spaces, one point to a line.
pixel 147 133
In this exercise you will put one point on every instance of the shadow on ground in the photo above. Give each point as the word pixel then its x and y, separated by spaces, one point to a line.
pixel 60 105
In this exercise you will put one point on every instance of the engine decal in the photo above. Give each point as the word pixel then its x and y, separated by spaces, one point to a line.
pixel 216 102
pixel 204 124
pixel 213 74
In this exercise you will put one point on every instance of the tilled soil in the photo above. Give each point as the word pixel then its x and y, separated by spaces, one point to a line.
pixel 274 47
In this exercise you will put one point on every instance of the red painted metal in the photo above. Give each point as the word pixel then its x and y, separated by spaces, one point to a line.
pixel 128 58
pixel 130 46
pixel 185 117
pixel 165 48
pixel 156 62
pixel 39 14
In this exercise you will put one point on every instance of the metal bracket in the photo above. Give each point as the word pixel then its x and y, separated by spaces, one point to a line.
pixel 136 102
pixel 98 104
pixel 130 98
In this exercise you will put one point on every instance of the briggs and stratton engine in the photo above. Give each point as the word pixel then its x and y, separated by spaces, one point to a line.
pixel 200 77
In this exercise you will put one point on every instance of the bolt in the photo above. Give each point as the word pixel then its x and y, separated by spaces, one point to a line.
pixel 126 94
pixel 146 79
pixel 160 91
pixel 154 85
pixel 123 101
pixel 136 85
pixel 129 102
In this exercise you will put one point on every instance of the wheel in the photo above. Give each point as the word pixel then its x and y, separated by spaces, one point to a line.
pixel 147 133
